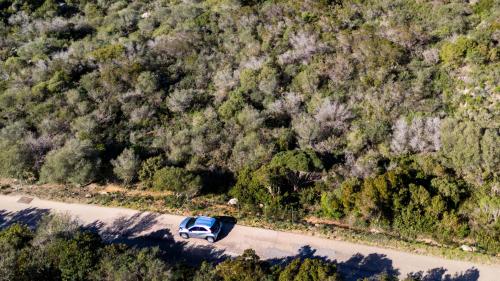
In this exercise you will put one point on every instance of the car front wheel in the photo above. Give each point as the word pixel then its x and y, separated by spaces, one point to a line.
pixel 184 235
pixel 210 239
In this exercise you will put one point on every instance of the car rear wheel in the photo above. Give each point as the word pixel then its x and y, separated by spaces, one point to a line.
pixel 210 239
pixel 184 235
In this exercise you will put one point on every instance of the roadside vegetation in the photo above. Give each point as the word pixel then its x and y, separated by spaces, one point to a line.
pixel 378 115
pixel 60 249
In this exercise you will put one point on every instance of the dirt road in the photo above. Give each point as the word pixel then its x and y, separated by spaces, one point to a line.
pixel 355 260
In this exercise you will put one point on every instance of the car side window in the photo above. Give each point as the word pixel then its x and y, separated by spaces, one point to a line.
pixel 196 229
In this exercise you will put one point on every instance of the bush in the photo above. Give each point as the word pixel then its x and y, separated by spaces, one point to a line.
pixel 453 53
pixel 126 166
pixel 331 205
pixel 177 180
pixel 16 159
pixel 247 267
pixel 298 160
pixel 120 263
pixel 75 163
pixel 149 168
pixel 76 258
pixel 309 269
pixel 17 235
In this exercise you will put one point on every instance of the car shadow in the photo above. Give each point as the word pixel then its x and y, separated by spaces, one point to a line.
pixel 228 224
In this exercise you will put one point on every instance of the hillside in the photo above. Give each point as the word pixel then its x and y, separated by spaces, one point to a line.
pixel 378 113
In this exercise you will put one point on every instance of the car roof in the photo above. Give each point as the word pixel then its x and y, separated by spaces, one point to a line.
pixel 204 221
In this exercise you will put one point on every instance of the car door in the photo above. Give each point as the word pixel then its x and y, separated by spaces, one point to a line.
pixel 204 232
pixel 196 232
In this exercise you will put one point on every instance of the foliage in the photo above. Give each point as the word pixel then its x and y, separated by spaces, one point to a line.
pixel 177 180
pixel 126 165
pixel 246 267
pixel 284 95
pixel 309 270
pixel 406 200
pixel 149 168
pixel 76 162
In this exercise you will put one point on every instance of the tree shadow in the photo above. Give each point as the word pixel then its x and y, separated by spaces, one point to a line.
pixel 305 252
pixel 439 274
pixel 372 266
pixel 30 217
pixel 360 267
pixel 124 226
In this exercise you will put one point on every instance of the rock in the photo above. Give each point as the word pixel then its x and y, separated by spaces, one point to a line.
pixel 233 201
pixel 103 192
pixel 145 15
pixel 261 205
pixel 88 195
pixel 467 248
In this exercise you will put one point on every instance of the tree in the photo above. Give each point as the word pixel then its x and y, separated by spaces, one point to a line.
pixel 126 165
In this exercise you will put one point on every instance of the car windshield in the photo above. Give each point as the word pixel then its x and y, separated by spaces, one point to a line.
pixel 215 227
pixel 190 222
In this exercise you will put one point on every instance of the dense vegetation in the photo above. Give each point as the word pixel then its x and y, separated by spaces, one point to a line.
pixel 379 113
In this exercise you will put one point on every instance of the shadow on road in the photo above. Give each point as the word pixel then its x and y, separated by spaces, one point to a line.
pixel 29 217
pixel 360 267
pixel 136 231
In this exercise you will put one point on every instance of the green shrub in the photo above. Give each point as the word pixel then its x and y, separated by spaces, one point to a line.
pixel 126 166
pixel 178 180
pixel 149 168
pixel 16 235
pixel 309 269
pixel 298 160
pixel 331 205
pixel 76 163
pixel 77 257
pixel 453 53
pixel 108 52
pixel 247 267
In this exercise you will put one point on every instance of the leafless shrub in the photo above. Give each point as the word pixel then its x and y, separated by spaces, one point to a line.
pixel 180 100
pixel 224 80
pixel 141 114
pixel 431 56
pixel 55 226
pixel 333 115
pixel 421 135
pixel 174 45
pixel 254 63
pixel 305 45
pixel 340 70
pixel 306 129
pixel 38 147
